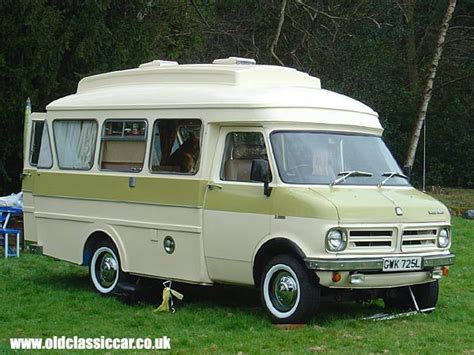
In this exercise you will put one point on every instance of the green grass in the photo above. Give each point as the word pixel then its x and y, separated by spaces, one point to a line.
pixel 42 297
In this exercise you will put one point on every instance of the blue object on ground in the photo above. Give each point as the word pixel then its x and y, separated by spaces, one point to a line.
pixel 5 214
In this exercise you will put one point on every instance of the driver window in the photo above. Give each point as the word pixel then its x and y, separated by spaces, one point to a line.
pixel 240 149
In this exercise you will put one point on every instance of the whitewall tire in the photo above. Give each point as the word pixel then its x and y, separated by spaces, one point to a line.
pixel 290 293
pixel 105 269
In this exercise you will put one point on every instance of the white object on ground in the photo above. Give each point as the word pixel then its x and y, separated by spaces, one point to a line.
pixel 14 200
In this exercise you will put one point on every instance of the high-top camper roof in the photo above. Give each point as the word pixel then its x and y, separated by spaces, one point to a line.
pixel 231 83
pixel 201 74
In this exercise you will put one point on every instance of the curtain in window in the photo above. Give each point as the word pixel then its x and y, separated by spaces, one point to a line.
pixel 168 133
pixel 156 151
pixel 45 159
pixel 75 143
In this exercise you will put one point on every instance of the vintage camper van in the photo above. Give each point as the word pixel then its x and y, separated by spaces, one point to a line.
pixel 231 173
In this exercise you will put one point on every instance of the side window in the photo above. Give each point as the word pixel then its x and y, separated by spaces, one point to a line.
pixel 240 149
pixel 176 146
pixel 45 155
pixel 75 143
pixel 35 142
pixel 123 145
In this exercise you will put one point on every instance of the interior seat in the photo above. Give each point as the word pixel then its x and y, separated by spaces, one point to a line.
pixel 238 168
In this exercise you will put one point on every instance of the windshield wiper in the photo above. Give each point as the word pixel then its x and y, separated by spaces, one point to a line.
pixel 391 174
pixel 345 174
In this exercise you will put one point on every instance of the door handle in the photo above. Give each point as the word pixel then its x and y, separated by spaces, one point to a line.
pixel 213 186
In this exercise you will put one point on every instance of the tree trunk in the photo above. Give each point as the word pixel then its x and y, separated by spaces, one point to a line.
pixel 278 32
pixel 428 86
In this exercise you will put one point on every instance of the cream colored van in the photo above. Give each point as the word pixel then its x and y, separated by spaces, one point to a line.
pixel 230 173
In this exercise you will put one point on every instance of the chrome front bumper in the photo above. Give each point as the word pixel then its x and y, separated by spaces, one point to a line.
pixel 371 264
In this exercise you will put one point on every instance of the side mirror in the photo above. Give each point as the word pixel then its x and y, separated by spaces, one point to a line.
pixel 260 171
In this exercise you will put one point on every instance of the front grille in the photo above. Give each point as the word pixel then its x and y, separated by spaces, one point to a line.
pixel 371 240
pixel 419 239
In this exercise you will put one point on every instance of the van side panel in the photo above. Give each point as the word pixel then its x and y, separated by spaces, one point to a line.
pixel 70 206
pixel 29 173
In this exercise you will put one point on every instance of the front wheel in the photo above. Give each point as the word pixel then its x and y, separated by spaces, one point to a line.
pixel 290 293
pixel 104 270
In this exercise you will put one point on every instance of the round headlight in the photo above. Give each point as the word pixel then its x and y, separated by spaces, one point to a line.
pixel 443 238
pixel 335 240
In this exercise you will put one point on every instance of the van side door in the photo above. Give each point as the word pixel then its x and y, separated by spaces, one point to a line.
pixel 36 154
pixel 236 211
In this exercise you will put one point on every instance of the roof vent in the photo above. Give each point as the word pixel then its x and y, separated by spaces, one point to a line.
pixel 235 60
pixel 158 63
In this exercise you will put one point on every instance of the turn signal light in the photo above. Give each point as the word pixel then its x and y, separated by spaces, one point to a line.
pixel 445 270
pixel 336 277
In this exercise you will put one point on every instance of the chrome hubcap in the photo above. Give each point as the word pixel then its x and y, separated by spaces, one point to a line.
pixel 283 291
pixel 106 269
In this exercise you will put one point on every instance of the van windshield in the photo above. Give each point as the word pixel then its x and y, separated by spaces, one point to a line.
pixel 323 158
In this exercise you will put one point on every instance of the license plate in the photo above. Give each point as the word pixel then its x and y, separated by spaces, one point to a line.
pixel 402 264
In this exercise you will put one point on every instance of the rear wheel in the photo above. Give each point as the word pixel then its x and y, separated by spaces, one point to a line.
pixel 426 296
pixel 290 292
pixel 105 270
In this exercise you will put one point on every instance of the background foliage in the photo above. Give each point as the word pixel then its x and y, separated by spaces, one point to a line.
pixel 358 48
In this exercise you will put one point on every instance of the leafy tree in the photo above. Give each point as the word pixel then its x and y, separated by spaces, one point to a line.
pixel 375 51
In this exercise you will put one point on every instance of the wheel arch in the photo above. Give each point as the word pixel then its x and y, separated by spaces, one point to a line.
pixel 98 234
pixel 272 247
